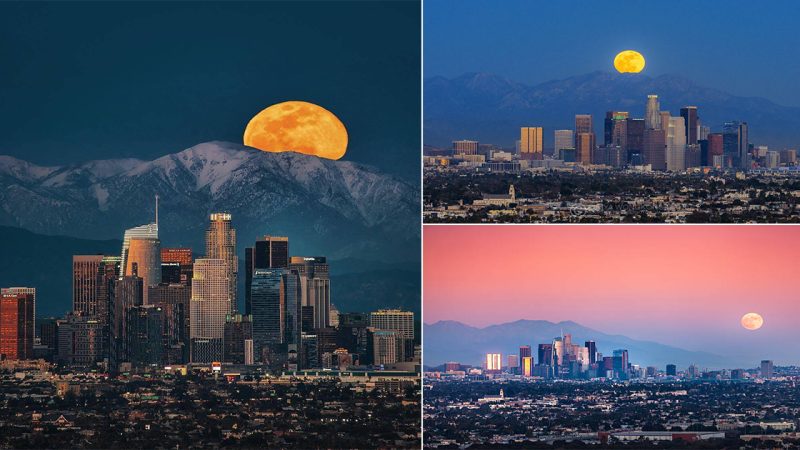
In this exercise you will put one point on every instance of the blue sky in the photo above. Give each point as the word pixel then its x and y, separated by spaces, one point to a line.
pixel 746 48
pixel 89 80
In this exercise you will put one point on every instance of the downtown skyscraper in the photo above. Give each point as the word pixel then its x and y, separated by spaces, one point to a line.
pixel 210 304
pixel 221 244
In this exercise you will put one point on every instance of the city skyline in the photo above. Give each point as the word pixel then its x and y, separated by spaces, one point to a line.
pixel 642 282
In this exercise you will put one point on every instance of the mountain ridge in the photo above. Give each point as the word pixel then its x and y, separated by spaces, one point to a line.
pixel 340 209
pixel 490 107
pixel 452 340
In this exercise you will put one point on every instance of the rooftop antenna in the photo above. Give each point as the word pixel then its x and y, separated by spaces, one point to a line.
pixel 156 209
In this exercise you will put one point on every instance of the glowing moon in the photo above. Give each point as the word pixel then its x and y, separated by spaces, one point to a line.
pixel 629 61
pixel 752 321
pixel 297 127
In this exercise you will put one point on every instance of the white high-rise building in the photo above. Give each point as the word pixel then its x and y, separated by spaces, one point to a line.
pixel 221 244
pixel 652 118
pixel 676 144
pixel 209 305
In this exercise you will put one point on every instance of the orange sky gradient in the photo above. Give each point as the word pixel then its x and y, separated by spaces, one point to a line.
pixel 682 285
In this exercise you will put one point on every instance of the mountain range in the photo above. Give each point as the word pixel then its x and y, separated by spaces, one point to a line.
pixel 337 209
pixel 366 222
pixel 454 341
pixel 490 108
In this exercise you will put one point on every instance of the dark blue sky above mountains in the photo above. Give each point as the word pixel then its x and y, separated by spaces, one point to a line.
pixel 743 47
pixel 83 81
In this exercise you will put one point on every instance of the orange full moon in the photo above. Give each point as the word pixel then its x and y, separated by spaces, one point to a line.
pixel 752 321
pixel 629 61
pixel 297 127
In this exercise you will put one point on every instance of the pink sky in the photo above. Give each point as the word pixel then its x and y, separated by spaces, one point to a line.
pixel 682 285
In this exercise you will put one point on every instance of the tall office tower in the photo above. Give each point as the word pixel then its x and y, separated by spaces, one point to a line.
pixel 80 340
pixel 591 347
pixel 584 148
pixel 127 292
pixel 675 144
pixel 465 147
pixel 789 157
pixel 209 305
pixel 108 272
pixel 149 231
pixel 352 332
pixel 238 329
pixel 16 325
pixel 767 368
pixel 652 116
pixel 173 299
pixel 583 124
pixel 743 146
pixel 48 335
pixel 716 150
pixel 545 354
pixel 23 290
pixel 672 370
pixel 384 344
pixel 183 258
pixel 691 124
pixel 621 362
pixel 145 328
pixel 564 139
pixel 268 311
pixel 654 149
pixel 309 355
pixel 772 160
pixel 530 143
pixel 315 288
pixel 269 252
pixel 615 128
pixel 634 141
pixel 221 244
pixel 694 155
pixel 730 139
pixel 702 132
pixel 85 280
pixel 527 366
pixel 494 362
pixel 146 254
pixel 394 319
pixel 524 352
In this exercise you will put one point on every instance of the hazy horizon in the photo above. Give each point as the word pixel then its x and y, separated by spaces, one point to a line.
pixel 684 286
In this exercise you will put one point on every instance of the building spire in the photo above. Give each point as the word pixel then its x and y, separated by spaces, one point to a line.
pixel 156 209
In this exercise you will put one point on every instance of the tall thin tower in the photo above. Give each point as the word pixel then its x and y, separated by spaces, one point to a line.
pixel 221 244
pixel 652 118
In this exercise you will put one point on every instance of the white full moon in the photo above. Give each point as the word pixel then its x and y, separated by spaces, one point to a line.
pixel 752 321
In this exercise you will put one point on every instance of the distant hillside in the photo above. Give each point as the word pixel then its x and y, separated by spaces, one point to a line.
pixel 491 108
pixel 454 341
pixel 338 209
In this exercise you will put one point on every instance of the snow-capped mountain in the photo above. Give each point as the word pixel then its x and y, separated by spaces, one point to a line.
pixel 334 208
